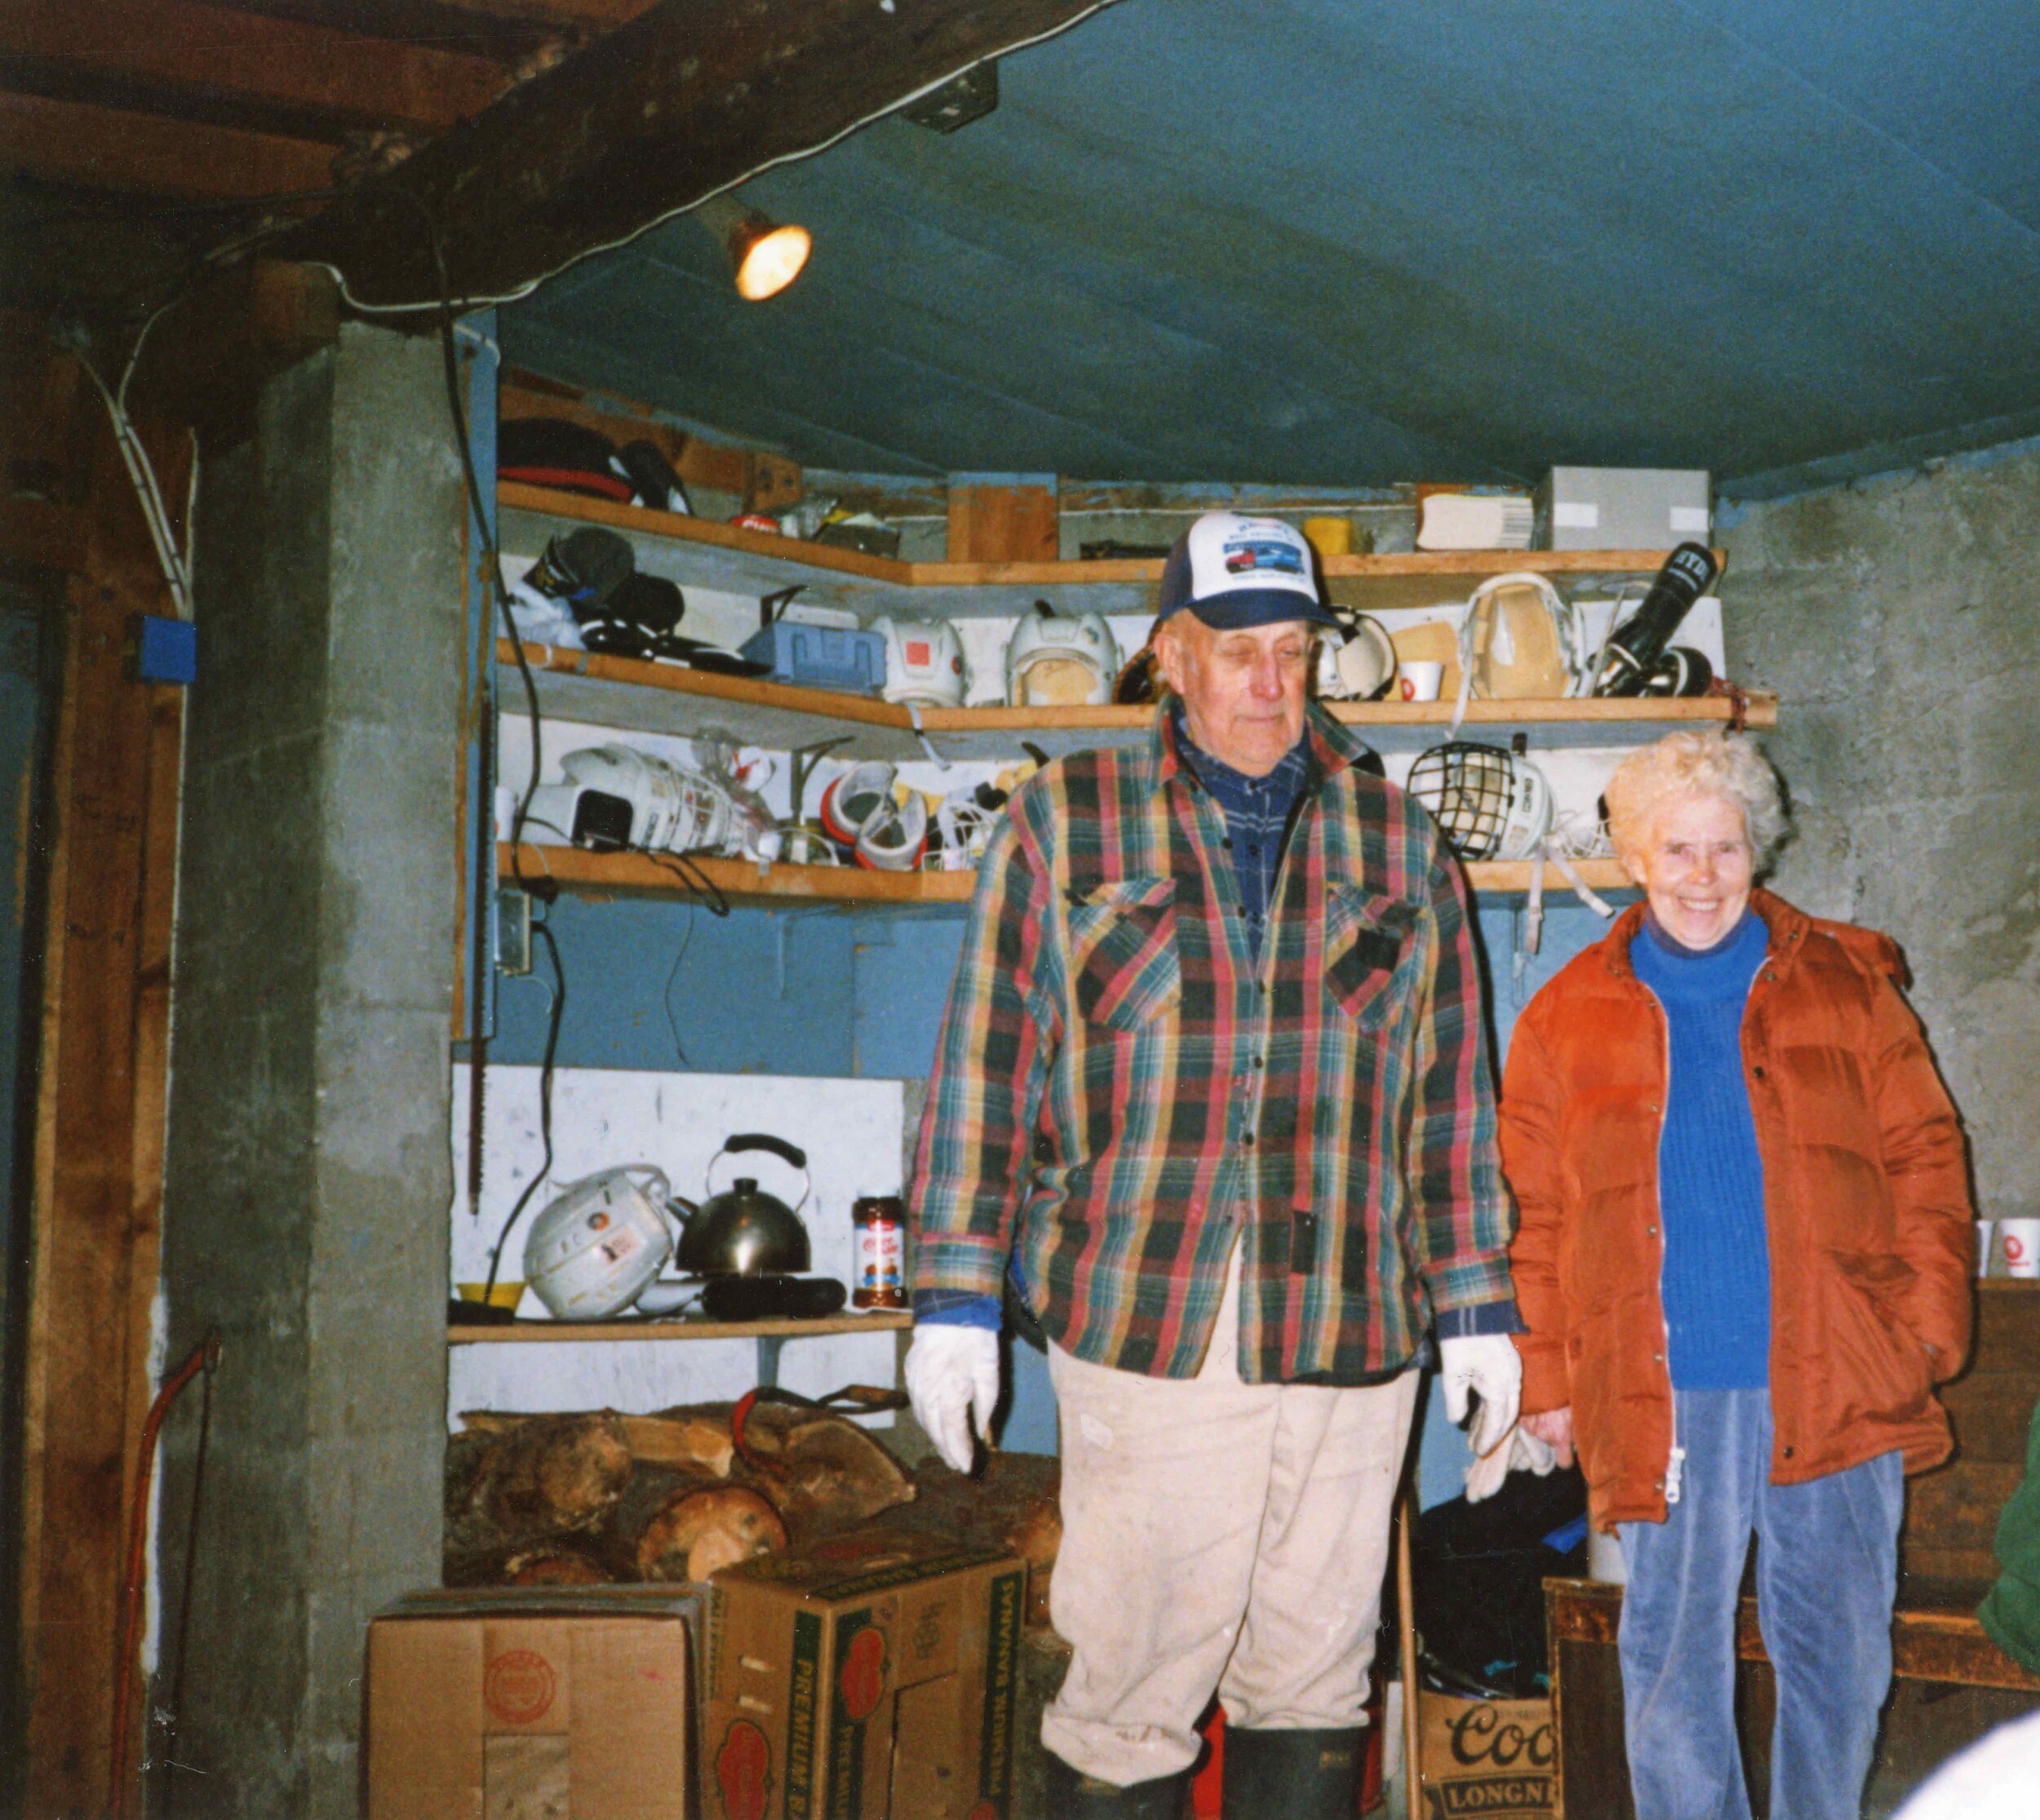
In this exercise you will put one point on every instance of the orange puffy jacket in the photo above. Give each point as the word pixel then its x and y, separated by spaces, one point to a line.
pixel 1866 1204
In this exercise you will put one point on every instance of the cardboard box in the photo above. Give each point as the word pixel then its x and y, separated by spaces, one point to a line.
pixel 555 1704
pixel 1494 1759
pixel 871 1676
pixel 1623 508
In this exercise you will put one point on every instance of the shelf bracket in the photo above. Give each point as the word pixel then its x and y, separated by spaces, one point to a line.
pixel 768 1345
pixel 920 734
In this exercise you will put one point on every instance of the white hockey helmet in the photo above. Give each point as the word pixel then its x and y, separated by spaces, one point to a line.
pixel 965 820
pixel 1355 661
pixel 854 797
pixel 1489 804
pixel 1522 639
pixel 923 662
pixel 1053 662
pixel 895 837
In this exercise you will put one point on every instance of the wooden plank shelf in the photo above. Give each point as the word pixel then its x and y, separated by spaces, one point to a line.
pixel 584 874
pixel 595 688
pixel 488 1334
pixel 702 553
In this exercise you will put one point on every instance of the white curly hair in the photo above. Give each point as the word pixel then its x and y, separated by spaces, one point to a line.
pixel 1709 763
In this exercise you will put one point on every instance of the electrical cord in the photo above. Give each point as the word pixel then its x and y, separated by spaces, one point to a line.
pixel 175 564
pixel 525 289
pixel 558 1011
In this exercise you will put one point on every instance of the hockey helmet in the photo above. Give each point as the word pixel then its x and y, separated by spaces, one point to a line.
pixel 1489 804
pixel 923 662
pixel 1355 661
pixel 1052 662
pixel 1522 639
pixel 853 797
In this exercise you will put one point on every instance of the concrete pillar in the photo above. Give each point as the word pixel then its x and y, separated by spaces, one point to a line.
pixel 308 1177
pixel 1898 619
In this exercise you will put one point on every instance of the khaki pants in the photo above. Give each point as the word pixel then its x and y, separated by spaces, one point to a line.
pixel 1215 1535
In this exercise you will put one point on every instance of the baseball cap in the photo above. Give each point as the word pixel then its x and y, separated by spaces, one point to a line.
pixel 1235 571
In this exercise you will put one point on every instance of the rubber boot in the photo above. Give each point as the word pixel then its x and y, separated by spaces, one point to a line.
pixel 1271 1775
pixel 1073 1796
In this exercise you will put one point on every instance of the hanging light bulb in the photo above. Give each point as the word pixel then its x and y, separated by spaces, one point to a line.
pixel 766 256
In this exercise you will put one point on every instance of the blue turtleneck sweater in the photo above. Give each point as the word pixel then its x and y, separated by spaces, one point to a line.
pixel 1717 1276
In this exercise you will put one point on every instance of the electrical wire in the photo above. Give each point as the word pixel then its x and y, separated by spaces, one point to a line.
pixel 525 289
pixel 553 1015
pixel 666 993
pixel 175 564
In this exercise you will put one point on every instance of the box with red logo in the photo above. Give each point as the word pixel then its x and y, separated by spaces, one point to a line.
pixel 572 1702
pixel 871 1676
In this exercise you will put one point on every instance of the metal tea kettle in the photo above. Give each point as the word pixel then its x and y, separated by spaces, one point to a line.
pixel 743 1231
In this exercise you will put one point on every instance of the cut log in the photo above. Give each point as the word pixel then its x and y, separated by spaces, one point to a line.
pixel 690 1440
pixel 822 1472
pixel 554 1566
pixel 682 1439
pixel 1014 1506
pixel 549 1476
pixel 673 1526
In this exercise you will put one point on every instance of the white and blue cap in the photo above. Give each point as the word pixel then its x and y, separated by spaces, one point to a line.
pixel 1235 571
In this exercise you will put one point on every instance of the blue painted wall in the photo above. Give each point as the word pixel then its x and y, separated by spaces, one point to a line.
pixel 661 985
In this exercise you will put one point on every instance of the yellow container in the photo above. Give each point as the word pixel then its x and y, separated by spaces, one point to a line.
pixel 502 1295
pixel 1331 537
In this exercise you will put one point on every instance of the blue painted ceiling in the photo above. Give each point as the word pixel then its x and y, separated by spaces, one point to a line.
pixel 1348 244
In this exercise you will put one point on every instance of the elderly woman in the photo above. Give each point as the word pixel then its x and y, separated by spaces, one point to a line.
pixel 1744 1261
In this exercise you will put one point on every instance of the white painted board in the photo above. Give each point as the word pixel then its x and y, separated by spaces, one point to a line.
pixel 851 1130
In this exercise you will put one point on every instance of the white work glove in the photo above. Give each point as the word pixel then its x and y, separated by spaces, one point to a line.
pixel 1523 1453
pixel 952 1379
pixel 1490 1365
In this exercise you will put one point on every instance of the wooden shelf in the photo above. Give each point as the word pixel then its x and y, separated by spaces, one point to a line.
pixel 739 561
pixel 589 874
pixel 528 1331
pixel 634 696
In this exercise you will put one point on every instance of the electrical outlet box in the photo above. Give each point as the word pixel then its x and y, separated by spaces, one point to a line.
pixel 162 650
pixel 514 932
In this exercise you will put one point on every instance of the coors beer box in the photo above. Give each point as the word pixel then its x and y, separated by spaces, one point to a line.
pixel 1487 1760
pixel 870 1677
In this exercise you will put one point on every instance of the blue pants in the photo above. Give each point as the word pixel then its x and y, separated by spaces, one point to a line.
pixel 1827 1572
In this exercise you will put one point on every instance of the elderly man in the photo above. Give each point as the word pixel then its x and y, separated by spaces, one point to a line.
pixel 1213 1083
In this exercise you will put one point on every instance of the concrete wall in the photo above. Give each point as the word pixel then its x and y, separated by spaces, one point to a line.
pixel 1899 618
pixel 308 1171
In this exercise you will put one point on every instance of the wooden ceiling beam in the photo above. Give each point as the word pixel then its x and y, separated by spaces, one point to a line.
pixel 177 45
pixel 590 16
pixel 689 98
pixel 109 149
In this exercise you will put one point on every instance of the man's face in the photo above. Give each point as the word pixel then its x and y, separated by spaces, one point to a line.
pixel 1242 691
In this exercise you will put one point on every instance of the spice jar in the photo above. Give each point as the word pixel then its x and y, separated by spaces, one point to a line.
pixel 880 1281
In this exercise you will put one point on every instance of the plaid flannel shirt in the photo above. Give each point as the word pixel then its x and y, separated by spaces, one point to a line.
pixel 1121 1089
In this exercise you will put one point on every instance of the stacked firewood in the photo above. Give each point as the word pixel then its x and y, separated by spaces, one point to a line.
pixel 604 1497
pixel 589 1500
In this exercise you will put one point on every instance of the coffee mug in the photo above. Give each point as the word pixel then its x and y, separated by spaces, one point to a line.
pixel 2021 1240
pixel 1984 1230
pixel 1419 680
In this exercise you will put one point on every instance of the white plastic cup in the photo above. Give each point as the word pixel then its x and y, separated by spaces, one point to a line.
pixel 1420 679
pixel 2022 1246
pixel 1984 1228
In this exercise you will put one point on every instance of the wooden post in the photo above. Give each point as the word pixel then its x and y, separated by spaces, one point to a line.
pixel 1012 518
pixel 1406 1613
pixel 101 1076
